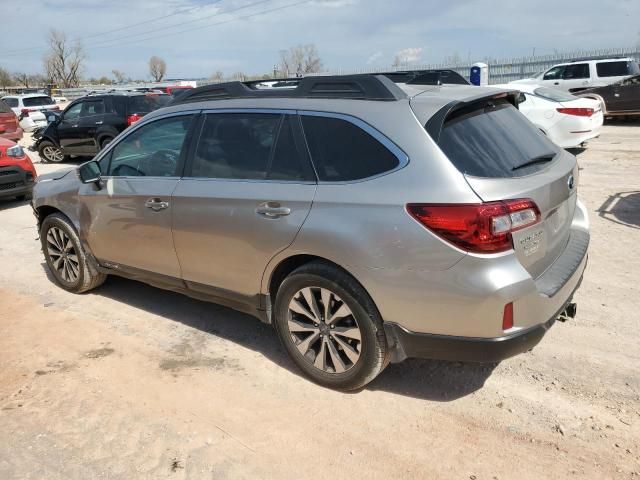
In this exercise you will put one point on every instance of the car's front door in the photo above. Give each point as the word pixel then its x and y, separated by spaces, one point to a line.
pixel 127 222
pixel 244 198
pixel 552 78
pixel 91 118
pixel 576 77
pixel 68 129
pixel 625 95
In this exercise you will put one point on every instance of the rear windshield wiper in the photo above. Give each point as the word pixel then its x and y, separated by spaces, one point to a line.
pixel 533 161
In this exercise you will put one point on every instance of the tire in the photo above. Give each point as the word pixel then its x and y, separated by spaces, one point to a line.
pixel 326 361
pixel 105 141
pixel 51 153
pixel 57 235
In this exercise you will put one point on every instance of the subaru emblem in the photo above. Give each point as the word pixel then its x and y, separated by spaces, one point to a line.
pixel 570 182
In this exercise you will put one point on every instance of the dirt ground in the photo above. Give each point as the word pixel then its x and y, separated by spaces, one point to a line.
pixel 133 382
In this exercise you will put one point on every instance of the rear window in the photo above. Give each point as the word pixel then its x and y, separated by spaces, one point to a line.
pixel 494 140
pixel 4 108
pixel 142 104
pixel 37 101
pixel 617 69
pixel 553 94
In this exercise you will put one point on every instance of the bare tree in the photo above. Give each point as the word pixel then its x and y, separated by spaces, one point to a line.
pixel 157 68
pixel 64 62
pixel 217 76
pixel 239 76
pixel 22 78
pixel 118 75
pixel 300 60
pixel 5 78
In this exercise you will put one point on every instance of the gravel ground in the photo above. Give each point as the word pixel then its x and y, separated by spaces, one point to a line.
pixel 131 381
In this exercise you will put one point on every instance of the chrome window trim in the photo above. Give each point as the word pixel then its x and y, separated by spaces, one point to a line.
pixel 403 158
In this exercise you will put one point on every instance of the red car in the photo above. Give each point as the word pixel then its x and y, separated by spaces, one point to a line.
pixel 17 173
pixel 9 126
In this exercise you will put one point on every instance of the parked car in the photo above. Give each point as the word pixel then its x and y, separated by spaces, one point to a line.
pixel 583 74
pixel 9 126
pixel 175 90
pixel 17 174
pixel 367 222
pixel 567 120
pixel 90 123
pixel 620 98
pixel 60 99
pixel 31 109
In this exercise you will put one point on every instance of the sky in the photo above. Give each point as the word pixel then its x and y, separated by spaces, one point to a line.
pixel 199 37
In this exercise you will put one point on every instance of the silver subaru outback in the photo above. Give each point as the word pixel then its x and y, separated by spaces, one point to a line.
pixel 367 221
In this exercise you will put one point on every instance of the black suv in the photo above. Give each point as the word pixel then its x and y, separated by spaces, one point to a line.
pixel 91 122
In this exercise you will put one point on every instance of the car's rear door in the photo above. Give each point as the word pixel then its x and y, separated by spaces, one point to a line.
pixel 127 222
pixel 244 197
pixel 503 157
pixel 576 77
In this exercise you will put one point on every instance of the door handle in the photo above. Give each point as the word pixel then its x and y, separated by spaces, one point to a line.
pixel 74 126
pixel 556 83
pixel 99 123
pixel 272 210
pixel 156 204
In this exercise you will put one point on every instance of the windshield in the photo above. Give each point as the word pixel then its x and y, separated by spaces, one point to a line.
pixel 553 95
pixel 37 101
pixel 494 140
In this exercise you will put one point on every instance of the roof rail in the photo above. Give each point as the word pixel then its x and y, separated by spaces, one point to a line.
pixel 427 77
pixel 588 59
pixel 354 87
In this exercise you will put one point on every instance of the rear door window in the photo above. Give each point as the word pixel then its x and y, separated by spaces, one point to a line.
pixel 37 101
pixel 494 140
pixel 342 151
pixel 617 69
pixel 576 71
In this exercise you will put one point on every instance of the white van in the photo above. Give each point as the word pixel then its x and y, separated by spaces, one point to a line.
pixel 582 74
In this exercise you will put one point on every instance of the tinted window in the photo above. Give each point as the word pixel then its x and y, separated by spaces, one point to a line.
pixel 12 102
pixel 576 70
pixel 553 94
pixel 153 150
pixel 632 81
pixel 288 163
pixel 37 101
pixel 236 145
pixel 142 104
pixel 554 73
pixel 342 151
pixel 73 112
pixel 4 108
pixel 617 69
pixel 491 141
pixel 91 108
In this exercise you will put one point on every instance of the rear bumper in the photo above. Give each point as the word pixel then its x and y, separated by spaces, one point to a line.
pixel 405 344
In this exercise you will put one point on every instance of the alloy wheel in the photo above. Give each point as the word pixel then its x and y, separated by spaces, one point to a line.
pixel 324 330
pixel 52 154
pixel 64 258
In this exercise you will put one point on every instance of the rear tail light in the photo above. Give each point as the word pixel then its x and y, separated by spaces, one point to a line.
pixel 478 227
pixel 507 316
pixel 25 111
pixel 131 119
pixel 578 112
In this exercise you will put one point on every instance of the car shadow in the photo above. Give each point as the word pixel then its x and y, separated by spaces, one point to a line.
pixel 7 203
pixel 424 379
pixel 576 150
pixel 622 208
pixel 628 121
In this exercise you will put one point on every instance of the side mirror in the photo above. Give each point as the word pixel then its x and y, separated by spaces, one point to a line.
pixel 51 118
pixel 90 172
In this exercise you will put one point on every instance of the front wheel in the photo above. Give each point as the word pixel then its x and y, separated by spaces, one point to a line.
pixel 49 152
pixel 65 256
pixel 330 327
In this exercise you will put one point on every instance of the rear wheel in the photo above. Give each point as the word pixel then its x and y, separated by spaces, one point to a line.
pixel 65 256
pixel 49 152
pixel 330 327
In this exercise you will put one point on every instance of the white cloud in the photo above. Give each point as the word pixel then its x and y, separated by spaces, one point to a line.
pixel 408 55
